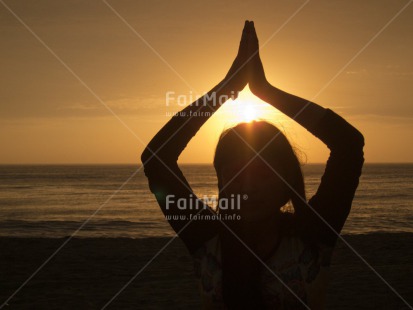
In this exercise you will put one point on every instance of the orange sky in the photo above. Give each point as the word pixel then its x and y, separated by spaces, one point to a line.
pixel 48 116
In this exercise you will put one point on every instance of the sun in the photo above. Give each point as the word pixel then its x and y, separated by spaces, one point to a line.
pixel 248 114
pixel 245 109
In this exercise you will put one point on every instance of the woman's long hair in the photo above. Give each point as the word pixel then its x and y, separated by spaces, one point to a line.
pixel 241 268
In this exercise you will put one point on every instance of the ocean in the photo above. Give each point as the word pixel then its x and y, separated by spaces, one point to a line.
pixel 55 200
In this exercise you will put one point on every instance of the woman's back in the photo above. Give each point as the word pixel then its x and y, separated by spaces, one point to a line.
pixel 259 259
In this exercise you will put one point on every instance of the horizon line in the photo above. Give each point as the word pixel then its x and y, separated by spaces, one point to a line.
pixel 185 163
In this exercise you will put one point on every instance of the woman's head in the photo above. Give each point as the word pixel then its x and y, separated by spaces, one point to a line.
pixel 265 182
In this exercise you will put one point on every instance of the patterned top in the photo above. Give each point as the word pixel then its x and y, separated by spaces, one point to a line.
pixel 302 266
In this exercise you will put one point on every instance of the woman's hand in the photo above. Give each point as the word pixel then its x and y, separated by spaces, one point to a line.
pixel 237 76
pixel 257 81
pixel 303 111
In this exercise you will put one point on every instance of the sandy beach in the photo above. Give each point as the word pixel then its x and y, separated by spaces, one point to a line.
pixel 87 273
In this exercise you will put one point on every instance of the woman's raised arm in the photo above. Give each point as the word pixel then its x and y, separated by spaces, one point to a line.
pixel 333 199
pixel 159 158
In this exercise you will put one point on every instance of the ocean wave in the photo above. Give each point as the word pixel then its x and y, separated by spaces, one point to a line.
pixel 93 228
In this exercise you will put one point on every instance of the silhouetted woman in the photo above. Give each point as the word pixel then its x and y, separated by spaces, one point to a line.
pixel 261 257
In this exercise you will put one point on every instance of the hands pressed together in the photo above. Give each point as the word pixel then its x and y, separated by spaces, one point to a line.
pixel 247 67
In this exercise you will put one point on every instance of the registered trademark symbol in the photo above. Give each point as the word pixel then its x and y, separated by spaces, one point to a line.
pixel 245 196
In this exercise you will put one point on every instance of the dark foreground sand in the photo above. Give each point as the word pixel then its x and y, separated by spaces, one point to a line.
pixel 88 272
